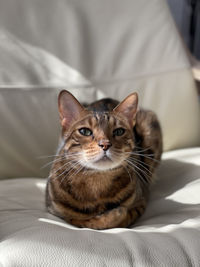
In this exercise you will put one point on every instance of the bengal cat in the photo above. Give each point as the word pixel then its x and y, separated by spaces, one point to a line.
pixel 104 167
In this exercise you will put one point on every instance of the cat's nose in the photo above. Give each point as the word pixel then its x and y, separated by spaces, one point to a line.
pixel 105 144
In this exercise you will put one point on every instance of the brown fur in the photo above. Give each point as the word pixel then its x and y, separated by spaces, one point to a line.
pixel 92 194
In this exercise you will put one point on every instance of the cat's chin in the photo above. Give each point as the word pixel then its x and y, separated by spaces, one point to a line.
pixel 103 164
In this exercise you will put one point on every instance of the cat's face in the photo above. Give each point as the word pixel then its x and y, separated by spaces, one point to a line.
pixel 99 141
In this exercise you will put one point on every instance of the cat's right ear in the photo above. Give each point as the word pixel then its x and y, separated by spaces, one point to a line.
pixel 69 108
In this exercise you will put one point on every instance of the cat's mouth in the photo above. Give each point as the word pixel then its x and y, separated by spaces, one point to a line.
pixel 104 161
pixel 104 158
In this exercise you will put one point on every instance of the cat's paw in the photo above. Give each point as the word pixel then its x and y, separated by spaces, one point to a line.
pixel 109 219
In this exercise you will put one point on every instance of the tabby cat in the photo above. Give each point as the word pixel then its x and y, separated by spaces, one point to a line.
pixel 104 167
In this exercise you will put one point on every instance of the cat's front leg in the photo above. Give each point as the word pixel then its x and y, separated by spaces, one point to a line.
pixel 109 219
pixel 118 217
pixel 134 213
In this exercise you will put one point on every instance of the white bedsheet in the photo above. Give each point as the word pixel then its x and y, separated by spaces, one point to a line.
pixel 167 235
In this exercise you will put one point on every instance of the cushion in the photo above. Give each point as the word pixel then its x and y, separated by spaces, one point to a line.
pixel 140 50
pixel 166 235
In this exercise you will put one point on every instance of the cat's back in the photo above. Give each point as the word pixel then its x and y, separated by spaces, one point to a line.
pixel 103 105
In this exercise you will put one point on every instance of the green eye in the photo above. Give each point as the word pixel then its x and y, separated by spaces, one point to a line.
pixel 85 131
pixel 119 132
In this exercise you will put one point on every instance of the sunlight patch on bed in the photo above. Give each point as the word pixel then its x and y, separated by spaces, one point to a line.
pixel 41 186
pixel 189 155
pixel 69 226
pixel 63 224
pixel 189 194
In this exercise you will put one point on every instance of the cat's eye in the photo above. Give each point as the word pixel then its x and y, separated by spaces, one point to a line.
pixel 119 132
pixel 85 131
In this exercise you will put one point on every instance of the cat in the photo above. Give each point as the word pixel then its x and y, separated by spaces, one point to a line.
pixel 105 164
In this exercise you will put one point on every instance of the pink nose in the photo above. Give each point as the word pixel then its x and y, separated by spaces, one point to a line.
pixel 105 144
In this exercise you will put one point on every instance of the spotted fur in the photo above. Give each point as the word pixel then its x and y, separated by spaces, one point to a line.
pixel 102 180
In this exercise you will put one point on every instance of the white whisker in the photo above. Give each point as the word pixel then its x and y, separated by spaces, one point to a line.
pixel 134 166
pixel 127 172
pixel 66 169
pixel 140 163
pixel 140 149
pixel 143 155
pixel 53 161
pixel 70 174
pixel 138 174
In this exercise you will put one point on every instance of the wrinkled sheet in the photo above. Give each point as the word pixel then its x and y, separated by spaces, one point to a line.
pixel 168 234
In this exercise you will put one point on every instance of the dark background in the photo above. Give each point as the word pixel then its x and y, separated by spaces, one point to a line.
pixel 187 17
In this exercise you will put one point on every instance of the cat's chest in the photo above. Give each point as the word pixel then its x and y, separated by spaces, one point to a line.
pixel 100 186
pixel 91 187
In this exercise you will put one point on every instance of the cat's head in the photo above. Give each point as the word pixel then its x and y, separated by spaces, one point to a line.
pixel 98 140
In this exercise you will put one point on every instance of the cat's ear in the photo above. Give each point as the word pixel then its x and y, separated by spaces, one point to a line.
pixel 128 107
pixel 69 108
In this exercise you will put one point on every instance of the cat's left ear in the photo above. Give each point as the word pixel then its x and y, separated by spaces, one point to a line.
pixel 69 108
pixel 128 107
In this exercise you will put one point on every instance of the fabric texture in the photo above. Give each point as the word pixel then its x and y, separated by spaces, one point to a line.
pixel 66 46
pixel 166 235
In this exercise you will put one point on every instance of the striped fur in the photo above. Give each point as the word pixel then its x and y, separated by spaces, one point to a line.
pixel 94 191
